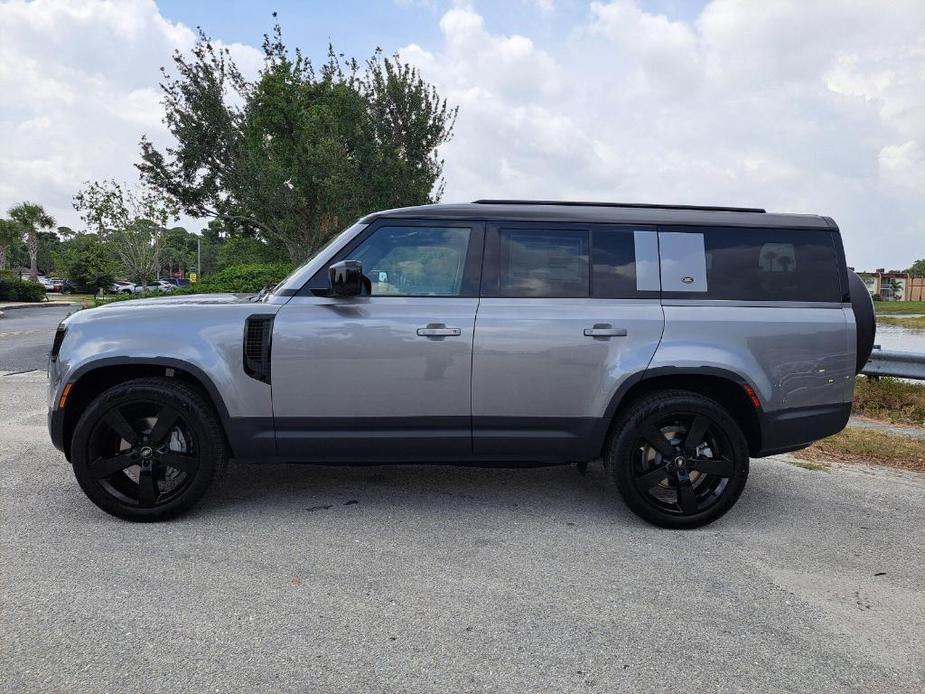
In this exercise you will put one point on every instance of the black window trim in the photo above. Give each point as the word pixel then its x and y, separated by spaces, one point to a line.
pixel 318 284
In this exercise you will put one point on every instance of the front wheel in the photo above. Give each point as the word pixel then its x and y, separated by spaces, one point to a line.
pixel 678 459
pixel 147 449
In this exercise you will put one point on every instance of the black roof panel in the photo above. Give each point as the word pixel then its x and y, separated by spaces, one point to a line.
pixel 607 213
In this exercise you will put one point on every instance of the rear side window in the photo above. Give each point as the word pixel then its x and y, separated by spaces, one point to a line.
pixel 751 265
pixel 624 264
pixel 541 263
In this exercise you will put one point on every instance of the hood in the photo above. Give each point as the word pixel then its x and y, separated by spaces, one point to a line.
pixel 144 308
pixel 181 299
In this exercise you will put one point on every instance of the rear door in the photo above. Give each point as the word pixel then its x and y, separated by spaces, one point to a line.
pixel 568 315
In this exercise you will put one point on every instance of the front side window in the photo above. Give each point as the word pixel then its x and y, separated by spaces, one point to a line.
pixel 414 260
pixel 540 263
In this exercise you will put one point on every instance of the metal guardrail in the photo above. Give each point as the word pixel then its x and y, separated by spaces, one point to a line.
pixel 896 364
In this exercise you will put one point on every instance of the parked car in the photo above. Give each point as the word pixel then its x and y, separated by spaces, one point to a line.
pixel 162 285
pixel 125 287
pixel 672 342
pixel 177 282
pixel 57 284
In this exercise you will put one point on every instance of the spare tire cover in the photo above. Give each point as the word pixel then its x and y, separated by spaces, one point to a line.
pixel 864 317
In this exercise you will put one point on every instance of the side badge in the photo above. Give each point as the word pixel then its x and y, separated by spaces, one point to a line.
pixel 687 280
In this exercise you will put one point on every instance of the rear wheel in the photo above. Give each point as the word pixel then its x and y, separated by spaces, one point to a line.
pixel 678 459
pixel 148 449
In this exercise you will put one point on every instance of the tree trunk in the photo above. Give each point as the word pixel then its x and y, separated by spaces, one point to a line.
pixel 32 241
pixel 2 257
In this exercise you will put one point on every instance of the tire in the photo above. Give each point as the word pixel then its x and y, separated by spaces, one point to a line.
pixel 666 479
pixel 148 449
pixel 865 318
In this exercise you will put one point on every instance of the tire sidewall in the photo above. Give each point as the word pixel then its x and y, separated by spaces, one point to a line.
pixel 193 410
pixel 621 448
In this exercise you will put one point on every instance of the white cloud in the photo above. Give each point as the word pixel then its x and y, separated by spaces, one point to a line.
pixel 795 106
pixel 815 107
pixel 79 81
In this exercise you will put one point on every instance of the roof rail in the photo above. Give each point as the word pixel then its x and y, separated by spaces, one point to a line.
pixel 642 205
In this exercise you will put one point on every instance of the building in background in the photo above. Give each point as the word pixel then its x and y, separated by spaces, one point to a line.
pixel 894 286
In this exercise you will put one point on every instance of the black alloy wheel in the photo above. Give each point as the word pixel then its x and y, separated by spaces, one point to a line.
pixel 147 449
pixel 679 459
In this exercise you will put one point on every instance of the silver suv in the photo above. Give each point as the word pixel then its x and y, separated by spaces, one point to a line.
pixel 672 342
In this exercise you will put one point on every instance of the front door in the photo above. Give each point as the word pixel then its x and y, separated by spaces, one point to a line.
pixel 384 377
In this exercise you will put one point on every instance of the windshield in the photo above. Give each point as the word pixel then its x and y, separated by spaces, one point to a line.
pixel 346 233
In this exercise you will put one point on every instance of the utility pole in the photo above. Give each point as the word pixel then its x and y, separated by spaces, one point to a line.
pixel 199 254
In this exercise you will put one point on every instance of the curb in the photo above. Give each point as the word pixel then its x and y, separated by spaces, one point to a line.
pixel 37 304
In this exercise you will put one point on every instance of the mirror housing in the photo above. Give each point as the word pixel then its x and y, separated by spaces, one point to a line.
pixel 347 278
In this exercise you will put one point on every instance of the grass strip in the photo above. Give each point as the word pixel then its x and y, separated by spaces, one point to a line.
pixel 868 446
pixel 888 307
pixel 890 400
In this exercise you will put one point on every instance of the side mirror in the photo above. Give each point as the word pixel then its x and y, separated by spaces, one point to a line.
pixel 347 278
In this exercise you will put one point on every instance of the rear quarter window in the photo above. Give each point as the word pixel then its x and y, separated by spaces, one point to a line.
pixel 763 265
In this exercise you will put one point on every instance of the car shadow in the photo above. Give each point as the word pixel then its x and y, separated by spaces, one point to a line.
pixel 420 489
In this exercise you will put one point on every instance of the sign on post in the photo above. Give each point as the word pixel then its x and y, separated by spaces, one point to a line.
pixel 193 278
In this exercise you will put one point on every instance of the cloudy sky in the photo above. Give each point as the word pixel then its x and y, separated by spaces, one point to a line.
pixel 789 105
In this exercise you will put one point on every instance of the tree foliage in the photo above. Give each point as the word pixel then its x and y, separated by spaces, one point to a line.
pixel 88 262
pixel 33 218
pixel 302 151
pixel 132 220
pixel 917 269
pixel 10 232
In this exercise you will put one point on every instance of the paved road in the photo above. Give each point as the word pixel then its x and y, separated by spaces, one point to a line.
pixel 443 579
pixel 26 335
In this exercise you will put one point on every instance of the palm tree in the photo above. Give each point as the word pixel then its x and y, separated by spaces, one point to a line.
pixel 32 217
pixel 10 232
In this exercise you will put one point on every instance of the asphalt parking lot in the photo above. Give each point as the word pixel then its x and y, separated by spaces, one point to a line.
pixel 26 335
pixel 301 578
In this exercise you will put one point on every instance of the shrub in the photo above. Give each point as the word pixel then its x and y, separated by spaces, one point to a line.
pixel 14 289
pixel 251 277
pixel 237 279
pixel 88 263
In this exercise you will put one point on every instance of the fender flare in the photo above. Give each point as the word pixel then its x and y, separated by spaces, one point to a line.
pixel 635 379
pixel 56 423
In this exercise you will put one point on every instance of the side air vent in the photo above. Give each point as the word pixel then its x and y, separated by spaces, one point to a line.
pixel 258 330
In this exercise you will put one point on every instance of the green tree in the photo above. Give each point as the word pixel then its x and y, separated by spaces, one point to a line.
pixel 243 249
pixel 88 262
pixel 49 244
pixel 178 250
pixel 132 220
pixel 33 219
pixel 917 269
pixel 10 233
pixel 298 154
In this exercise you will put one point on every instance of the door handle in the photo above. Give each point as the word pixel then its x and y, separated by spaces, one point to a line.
pixel 438 330
pixel 605 330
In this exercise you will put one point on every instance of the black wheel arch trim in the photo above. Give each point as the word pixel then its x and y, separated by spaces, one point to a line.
pixel 618 398
pixel 246 436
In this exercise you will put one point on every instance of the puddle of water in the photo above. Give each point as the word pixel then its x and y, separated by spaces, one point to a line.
pixel 896 337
